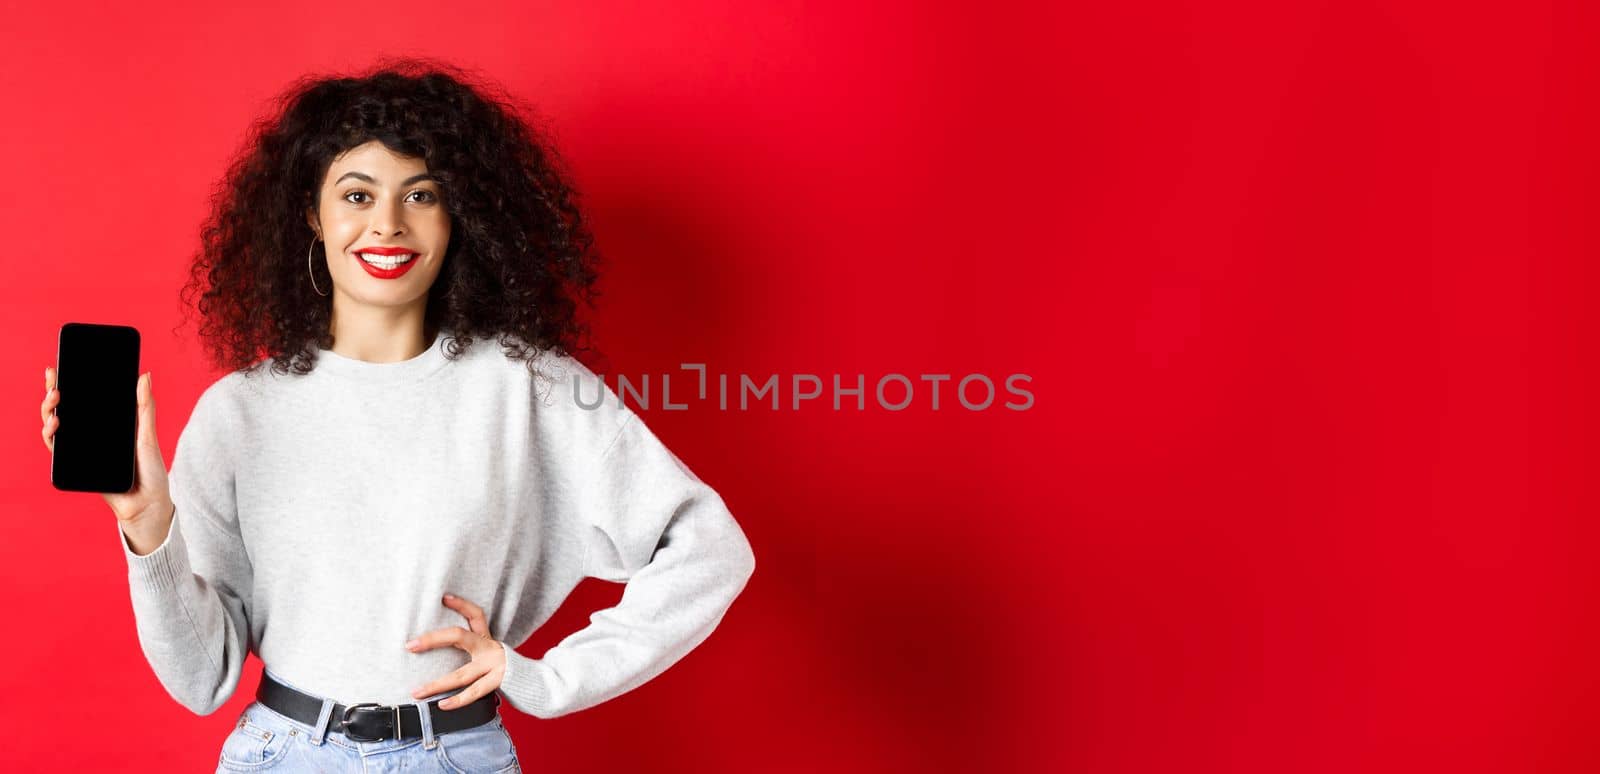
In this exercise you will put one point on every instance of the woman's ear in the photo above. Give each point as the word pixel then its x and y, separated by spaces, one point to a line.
pixel 311 220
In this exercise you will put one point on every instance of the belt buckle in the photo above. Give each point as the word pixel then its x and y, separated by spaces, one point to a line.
pixel 346 727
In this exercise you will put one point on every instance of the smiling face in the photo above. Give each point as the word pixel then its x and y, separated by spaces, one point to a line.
pixel 373 199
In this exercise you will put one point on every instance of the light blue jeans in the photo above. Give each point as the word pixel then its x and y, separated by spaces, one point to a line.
pixel 263 740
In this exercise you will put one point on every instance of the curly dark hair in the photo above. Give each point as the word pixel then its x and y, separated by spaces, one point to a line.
pixel 519 257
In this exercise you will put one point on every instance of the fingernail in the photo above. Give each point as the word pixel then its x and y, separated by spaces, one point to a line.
pixel 449 596
pixel 411 644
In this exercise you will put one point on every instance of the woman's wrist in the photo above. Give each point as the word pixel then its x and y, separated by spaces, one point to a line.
pixel 147 530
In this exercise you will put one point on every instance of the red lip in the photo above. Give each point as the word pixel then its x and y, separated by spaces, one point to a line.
pixel 387 274
pixel 385 250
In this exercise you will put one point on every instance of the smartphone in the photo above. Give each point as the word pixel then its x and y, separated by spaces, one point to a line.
pixel 97 376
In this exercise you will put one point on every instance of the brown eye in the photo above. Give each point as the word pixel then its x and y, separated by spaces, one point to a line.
pixel 354 193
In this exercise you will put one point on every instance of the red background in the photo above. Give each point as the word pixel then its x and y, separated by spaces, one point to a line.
pixel 1299 286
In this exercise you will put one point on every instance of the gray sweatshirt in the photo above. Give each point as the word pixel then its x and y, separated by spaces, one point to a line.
pixel 320 519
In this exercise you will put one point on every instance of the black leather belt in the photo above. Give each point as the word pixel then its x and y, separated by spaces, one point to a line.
pixel 368 722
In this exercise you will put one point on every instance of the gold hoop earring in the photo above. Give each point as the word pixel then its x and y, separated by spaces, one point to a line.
pixel 313 274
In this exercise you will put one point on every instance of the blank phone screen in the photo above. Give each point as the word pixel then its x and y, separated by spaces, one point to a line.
pixel 97 374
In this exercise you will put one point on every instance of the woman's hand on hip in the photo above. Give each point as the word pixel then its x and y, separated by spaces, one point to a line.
pixel 481 675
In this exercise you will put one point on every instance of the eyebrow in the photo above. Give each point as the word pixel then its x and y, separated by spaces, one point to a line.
pixel 403 183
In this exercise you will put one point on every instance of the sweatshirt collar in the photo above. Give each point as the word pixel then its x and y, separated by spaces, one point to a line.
pixel 416 368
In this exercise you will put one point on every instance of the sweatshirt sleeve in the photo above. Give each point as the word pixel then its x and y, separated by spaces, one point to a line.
pixel 647 520
pixel 190 594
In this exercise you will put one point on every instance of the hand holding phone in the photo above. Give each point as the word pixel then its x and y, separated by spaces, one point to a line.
pixel 145 508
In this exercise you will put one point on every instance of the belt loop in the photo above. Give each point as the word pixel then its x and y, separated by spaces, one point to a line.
pixel 426 716
pixel 321 731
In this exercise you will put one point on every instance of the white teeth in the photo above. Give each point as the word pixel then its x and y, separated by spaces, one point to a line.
pixel 386 261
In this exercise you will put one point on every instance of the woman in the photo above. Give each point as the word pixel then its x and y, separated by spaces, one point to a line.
pixel 381 517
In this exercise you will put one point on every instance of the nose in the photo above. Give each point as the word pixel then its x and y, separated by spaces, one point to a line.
pixel 388 219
